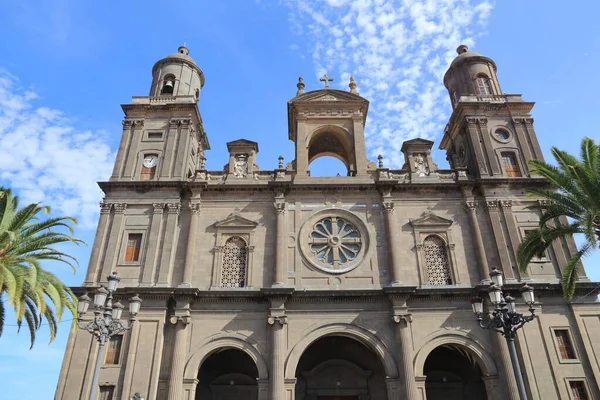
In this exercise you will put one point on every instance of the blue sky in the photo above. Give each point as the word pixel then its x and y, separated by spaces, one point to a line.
pixel 66 66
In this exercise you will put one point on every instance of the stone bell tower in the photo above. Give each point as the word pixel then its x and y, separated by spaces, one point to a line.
pixel 329 122
pixel 163 135
pixel 490 133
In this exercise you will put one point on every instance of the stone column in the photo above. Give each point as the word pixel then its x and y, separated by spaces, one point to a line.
pixel 280 278
pixel 99 240
pixel 484 270
pixel 168 245
pixel 190 252
pixel 393 246
pixel 110 258
pixel 404 341
pixel 152 249
pixel 179 356
pixel 278 324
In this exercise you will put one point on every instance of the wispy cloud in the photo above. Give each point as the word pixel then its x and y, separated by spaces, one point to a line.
pixel 398 51
pixel 45 157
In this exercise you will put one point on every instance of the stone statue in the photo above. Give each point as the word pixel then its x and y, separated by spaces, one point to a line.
pixel 240 169
pixel 421 166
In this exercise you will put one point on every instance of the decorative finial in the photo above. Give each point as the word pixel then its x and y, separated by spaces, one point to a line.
pixel 462 49
pixel 380 159
pixel 280 162
pixel 326 79
pixel 352 85
pixel 300 86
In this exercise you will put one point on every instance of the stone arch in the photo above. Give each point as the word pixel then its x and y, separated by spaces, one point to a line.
pixel 225 341
pixel 464 340
pixel 351 331
pixel 333 141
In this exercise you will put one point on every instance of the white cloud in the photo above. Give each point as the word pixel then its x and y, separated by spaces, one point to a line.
pixel 45 158
pixel 398 51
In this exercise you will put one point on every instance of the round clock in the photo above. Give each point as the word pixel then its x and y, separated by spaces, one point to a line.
pixel 150 161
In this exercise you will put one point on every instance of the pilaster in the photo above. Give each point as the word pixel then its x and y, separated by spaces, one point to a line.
pixel 513 237
pixel 153 248
pixel 180 324
pixel 168 245
pixel 403 319
pixel 387 206
pixel 114 236
pixel 491 207
pixel 280 278
pixel 99 244
pixel 190 253
pixel 474 138
pixel 482 264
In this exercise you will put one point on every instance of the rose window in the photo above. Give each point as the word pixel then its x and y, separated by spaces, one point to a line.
pixel 335 242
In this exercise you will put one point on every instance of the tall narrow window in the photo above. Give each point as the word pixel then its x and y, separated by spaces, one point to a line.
pixel 134 244
pixel 235 256
pixel 106 392
pixel 565 347
pixel 436 261
pixel 149 167
pixel 509 162
pixel 578 390
pixel 113 351
pixel 483 85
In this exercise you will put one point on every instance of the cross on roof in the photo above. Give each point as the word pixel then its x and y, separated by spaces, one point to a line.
pixel 326 79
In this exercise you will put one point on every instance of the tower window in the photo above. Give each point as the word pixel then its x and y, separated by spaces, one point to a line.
pixel 106 392
pixel 509 162
pixel 235 259
pixel 578 390
pixel 149 167
pixel 168 85
pixel 483 85
pixel 113 352
pixel 565 346
pixel 436 261
pixel 134 244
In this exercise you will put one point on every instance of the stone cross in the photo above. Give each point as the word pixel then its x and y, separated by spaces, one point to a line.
pixel 326 79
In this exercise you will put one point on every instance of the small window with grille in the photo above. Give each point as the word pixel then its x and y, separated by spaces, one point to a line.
pixel 483 85
pixel 113 350
pixel 134 244
pixel 437 264
pixel 106 392
pixel 578 390
pixel 566 351
pixel 235 259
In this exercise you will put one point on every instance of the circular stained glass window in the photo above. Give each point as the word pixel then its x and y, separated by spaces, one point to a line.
pixel 502 135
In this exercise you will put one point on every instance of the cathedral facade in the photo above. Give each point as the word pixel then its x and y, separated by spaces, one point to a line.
pixel 278 285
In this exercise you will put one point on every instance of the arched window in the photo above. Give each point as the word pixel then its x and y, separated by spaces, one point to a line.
pixel 483 85
pixel 149 167
pixel 437 264
pixel 235 259
pixel 168 85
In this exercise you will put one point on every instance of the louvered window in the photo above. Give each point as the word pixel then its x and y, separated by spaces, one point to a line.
pixel 436 261
pixel 235 259
pixel 113 351
pixel 565 346
pixel 578 390
pixel 106 392
pixel 134 244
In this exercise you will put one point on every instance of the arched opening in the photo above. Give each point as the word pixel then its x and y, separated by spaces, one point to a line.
pixel 339 368
pixel 328 166
pixel 168 84
pixel 453 374
pixel 228 374
pixel 332 142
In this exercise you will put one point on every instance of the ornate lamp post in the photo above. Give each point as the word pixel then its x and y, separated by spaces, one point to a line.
pixel 105 324
pixel 505 319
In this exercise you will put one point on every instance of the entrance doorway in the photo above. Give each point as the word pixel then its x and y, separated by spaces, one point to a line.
pixel 228 374
pixel 453 374
pixel 339 368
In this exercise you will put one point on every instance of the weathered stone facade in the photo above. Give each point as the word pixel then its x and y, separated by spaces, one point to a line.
pixel 272 284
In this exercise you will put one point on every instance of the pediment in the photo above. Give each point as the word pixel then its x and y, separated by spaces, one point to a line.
pixel 236 221
pixel 428 218
pixel 328 95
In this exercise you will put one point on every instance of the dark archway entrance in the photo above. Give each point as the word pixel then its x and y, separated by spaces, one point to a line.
pixel 453 374
pixel 339 368
pixel 228 374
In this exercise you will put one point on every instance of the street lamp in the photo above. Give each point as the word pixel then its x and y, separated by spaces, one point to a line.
pixel 505 319
pixel 106 322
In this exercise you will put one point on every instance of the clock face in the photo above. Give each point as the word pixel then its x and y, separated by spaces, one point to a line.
pixel 150 161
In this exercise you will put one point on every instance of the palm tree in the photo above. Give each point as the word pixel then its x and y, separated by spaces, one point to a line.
pixel 25 242
pixel 573 208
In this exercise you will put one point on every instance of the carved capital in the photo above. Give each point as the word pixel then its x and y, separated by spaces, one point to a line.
pixel 451 246
pixel 279 207
pixel 195 208
pixel 219 249
pixel 250 249
pixel 173 208
pixel 185 320
pixel 471 120
pixel 158 208
pixel 138 123
pixel 523 120
pixel 482 120
pixel 282 320
pixel 471 206
pixel 387 207
pixel 544 203
pixel 407 318
pixel 173 124
pixel 105 208
pixel 127 123
pixel 506 204
pixel 491 205
pixel 120 207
